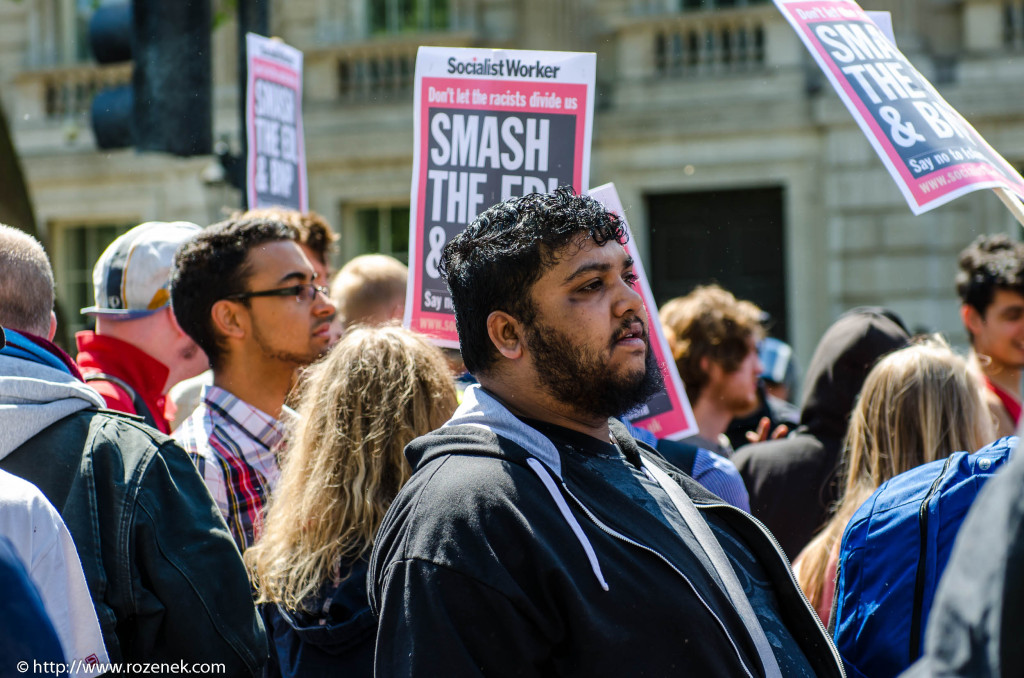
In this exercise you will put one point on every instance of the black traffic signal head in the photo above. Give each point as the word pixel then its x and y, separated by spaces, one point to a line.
pixel 167 108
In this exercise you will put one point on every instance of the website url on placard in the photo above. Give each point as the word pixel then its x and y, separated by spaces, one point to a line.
pixel 956 174
pixel 79 667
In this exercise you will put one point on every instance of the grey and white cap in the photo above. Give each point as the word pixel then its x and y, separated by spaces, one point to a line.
pixel 130 279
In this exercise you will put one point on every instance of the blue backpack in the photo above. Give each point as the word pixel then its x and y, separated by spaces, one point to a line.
pixel 893 554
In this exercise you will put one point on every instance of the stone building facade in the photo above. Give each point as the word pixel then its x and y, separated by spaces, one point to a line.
pixel 734 158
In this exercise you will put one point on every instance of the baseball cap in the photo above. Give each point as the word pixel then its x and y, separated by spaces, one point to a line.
pixel 131 277
pixel 777 358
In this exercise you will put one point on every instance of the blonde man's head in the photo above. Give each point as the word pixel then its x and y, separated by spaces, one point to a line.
pixel 370 290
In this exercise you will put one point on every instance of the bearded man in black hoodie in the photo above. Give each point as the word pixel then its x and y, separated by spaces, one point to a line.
pixel 791 482
pixel 536 536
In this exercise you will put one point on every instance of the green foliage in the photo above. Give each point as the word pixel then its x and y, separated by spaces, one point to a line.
pixel 223 12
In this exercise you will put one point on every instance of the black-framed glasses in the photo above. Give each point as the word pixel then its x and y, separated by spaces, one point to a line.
pixel 306 292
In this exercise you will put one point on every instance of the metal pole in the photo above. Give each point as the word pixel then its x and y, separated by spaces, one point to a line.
pixel 253 17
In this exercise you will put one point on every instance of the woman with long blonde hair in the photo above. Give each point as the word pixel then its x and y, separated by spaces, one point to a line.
pixel 375 391
pixel 918 404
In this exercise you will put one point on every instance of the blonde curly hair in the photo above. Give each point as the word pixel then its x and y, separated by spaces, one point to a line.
pixel 375 391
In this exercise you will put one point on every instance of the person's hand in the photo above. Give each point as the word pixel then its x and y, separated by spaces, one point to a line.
pixel 761 434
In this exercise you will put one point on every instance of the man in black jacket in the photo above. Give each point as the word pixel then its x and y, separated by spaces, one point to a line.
pixel 536 537
pixel 167 582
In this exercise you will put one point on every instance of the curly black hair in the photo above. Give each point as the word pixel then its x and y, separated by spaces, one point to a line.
pixel 493 264
pixel 990 263
pixel 212 266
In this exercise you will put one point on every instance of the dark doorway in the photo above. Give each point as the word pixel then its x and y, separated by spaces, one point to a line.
pixel 735 238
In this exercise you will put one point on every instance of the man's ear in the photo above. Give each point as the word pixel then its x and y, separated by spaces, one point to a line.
pixel 52 332
pixel 972 319
pixel 506 333
pixel 712 369
pixel 229 320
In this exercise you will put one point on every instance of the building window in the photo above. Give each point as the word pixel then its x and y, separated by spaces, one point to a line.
pixel 382 77
pixel 58 31
pixel 743 228
pixel 84 9
pixel 714 45
pixel 397 16
pixel 380 229
pixel 690 5
pixel 1013 24
pixel 48 32
pixel 76 248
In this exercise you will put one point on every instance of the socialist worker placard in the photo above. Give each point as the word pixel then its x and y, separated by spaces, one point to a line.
pixel 931 151
pixel 276 154
pixel 489 125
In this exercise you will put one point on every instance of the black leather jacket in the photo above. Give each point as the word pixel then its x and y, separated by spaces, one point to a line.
pixel 165 576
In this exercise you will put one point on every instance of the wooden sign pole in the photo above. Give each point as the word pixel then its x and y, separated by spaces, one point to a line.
pixel 1012 203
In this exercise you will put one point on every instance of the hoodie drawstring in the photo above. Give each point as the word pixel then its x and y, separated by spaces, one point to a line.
pixel 574 524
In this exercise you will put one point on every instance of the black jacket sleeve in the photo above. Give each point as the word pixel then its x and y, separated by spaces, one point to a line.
pixel 165 575
pixel 190 594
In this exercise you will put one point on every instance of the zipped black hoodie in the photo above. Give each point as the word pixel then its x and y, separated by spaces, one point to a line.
pixel 491 562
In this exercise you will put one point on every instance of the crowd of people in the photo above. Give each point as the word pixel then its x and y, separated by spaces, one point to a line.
pixel 250 463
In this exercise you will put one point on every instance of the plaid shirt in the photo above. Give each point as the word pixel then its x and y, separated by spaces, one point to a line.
pixel 235 447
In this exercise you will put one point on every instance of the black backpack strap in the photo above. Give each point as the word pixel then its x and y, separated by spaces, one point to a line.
pixel 679 454
pixel 916 621
pixel 140 406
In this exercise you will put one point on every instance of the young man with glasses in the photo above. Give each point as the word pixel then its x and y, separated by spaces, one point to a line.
pixel 316 239
pixel 246 293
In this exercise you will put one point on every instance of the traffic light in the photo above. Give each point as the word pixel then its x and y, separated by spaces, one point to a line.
pixel 110 37
pixel 168 105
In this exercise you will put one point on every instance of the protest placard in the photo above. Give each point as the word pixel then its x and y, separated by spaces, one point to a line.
pixel 931 151
pixel 884 22
pixel 489 125
pixel 276 159
pixel 666 414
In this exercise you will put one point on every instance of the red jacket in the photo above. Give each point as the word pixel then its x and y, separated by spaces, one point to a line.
pixel 144 373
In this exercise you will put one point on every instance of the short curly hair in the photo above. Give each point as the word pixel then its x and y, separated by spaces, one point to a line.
pixel 493 264
pixel 212 266
pixel 990 263
pixel 711 322
pixel 311 229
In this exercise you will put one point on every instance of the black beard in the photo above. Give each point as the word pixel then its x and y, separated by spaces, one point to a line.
pixel 577 377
